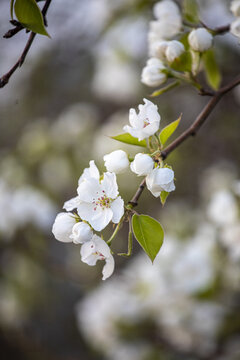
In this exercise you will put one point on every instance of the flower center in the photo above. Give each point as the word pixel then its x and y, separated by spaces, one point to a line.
pixel 98 254
pixel 102 201
pixel 146 123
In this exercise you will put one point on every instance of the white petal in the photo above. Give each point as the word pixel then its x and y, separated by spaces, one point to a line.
pixel 87 251
pixel 72 203
pixel 62 227
pixel 91 172
pixel 108 268
pixel 88 190
pixel 109 185
pixel 117 207
pixel 98 218
pixel 101 246
pixel 133 118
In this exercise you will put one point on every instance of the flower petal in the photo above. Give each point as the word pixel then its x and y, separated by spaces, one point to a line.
pixel 87 251
pixel 108 267
pixel 88 190
pixel 109 185
pixel 72 203
pixel 117 207
pixel 98 218
pixel 91 172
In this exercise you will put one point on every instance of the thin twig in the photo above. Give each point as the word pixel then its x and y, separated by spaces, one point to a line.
pixel 6 77
pixel 192 130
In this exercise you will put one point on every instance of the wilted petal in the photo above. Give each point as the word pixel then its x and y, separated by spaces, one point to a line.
pixel 108 268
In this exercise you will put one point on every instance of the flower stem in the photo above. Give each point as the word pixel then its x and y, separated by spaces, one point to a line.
pixel 115 231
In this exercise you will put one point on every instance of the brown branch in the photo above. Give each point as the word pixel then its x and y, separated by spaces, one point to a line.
pixel 202 117
pixel 191 131
pixel 6 77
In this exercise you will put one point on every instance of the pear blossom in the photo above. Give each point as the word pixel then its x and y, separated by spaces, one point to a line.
pixel 235 7
pixel 145 123
pixel 62 227
pixel 235 28
pixel 91 172
pixel 81 232
pixel 152 73
pixel 200 39
pixel 174 50
pixel 99 201
pixel 160 179
pixel 166 8
pixel 117 161
pixel 158 49
pixel 142 164
pixel 166 28
pixel 97 249
pixel 222 209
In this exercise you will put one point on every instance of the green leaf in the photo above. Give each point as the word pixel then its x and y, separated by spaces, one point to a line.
pixel 169 130
pixel 129 139
pixel 190 11
pixel 212 72
pixel 30 16
pixel 183 63
pixel 165 88
pixel 149 233
pixel 11 8
pixel 163 197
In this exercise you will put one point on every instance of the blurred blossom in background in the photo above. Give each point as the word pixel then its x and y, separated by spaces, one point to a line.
pixel 57 113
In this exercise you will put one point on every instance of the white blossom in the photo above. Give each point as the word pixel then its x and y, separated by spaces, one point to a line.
pixel 142 164
pixel 158 49
pixel 91 172
pixel 166 28
pixel 174 50
pixel 230 237
pixel 99 201
pixel 117 161
pixel 97 249
pixel 62 227
pixel 152 73
pixel 81 232
pixel 160 179
pixel 145 123
pixel 235 7
pixel 200 39
pixel 222 209
pixel 235 28
pixel 166 8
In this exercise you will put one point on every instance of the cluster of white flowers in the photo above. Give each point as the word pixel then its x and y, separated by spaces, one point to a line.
pixel 163 49
pixel 98 201
pixel 235 25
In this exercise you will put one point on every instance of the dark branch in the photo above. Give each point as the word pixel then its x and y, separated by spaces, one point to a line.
pixel 6 77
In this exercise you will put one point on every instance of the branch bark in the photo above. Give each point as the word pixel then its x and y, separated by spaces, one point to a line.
pixel 6 77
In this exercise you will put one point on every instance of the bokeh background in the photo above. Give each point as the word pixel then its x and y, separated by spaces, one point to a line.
pixel 56 114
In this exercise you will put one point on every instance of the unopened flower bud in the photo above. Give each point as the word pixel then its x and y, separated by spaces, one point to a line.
pixel 142 164
pixel 158 49
pixel 174 50
pixel 200 39
pixel 160 179
pixel 117 161
pixel 62 227
pixel 152 74
pixel 81 232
